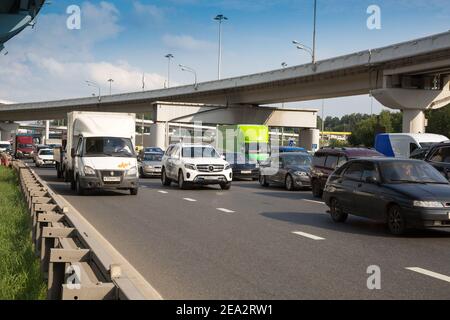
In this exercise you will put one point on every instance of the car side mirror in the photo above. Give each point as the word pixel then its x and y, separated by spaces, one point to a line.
pixel 372 180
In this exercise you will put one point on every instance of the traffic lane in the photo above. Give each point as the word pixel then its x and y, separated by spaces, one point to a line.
pixel 310 278
pixel 426 248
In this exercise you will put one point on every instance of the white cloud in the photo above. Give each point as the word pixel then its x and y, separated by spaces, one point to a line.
pixel 185 42
pixel 52 62
pixel 149 10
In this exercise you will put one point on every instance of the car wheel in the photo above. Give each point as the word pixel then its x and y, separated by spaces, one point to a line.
pixel 225 186
pixel 263 181
pixel 80 190
pixel 134 191
pixel 165 181
pixel 396 222
pixel 336 212
pixel 181 183
pixel 316 190
pixel 289 183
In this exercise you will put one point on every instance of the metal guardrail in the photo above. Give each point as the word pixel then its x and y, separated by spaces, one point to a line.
pixel 78 263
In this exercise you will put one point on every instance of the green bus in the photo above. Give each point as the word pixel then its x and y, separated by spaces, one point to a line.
pixel 250 140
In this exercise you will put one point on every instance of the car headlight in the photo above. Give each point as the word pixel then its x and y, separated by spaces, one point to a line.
pixel 88 171
pixel 301 173
pixel 428 204
pixel 190 166
pixel 132 171
pixel 227 167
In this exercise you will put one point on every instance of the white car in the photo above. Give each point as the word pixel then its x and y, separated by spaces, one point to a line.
pixel 45 157
pixel 194 164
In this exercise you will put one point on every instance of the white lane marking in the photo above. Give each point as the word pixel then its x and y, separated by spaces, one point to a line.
pixel 225 210
pixel 190 200
pixel 430 274
pixel 314 201
pixel 307 235
pixel 161 191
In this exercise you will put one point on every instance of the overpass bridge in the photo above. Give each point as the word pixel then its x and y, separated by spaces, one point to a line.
pixel 412 76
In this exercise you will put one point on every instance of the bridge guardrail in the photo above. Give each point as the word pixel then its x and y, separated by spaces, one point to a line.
pixel 78 263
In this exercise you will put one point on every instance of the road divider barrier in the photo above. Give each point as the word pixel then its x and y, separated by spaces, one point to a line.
pixel 78 263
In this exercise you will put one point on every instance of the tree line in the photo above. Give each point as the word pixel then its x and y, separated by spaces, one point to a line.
pixel 365 127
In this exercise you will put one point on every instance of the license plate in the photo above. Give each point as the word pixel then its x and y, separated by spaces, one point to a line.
pixel 246 172
pixel 210 178
pixel 111 179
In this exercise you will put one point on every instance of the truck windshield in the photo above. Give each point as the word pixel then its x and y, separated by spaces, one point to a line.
pixel 199 152
pixel 5 146
pixel 256 147
pixel 109 147
pixel 25 146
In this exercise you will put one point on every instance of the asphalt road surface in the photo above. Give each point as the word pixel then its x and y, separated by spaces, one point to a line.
pixel 259 243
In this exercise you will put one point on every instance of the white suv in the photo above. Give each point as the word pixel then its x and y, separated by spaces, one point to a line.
pixel 195 164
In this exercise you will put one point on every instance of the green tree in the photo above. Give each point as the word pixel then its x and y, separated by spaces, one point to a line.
pixel 439 121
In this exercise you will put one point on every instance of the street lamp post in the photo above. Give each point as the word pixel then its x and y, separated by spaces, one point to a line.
pixel 300 46
pixel 110 85
pixel 169 57
pixel 220 18
pixel 189 69
pixel 93 84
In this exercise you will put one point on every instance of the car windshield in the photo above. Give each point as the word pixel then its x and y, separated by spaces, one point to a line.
pixel 199 152
pixel 159 150
pixel 153 157
pixel 297 160
pixel 46 152
pixel 237 158
pixel 5 146
pixel 410 172
pixel 107 146
pixel 427 144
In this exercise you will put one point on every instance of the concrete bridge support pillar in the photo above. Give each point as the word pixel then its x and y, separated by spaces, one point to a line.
pixel 310 139
pixel 158 135
pixel 7 130
pixel 414 121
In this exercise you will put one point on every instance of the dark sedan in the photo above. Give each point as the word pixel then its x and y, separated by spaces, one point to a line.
pixel 291 170
pixel 242 167
pixel 402 193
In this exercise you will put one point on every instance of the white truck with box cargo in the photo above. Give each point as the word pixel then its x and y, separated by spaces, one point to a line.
pixel 100 152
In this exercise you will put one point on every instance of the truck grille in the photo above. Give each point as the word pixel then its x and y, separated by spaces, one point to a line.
pixel 210 167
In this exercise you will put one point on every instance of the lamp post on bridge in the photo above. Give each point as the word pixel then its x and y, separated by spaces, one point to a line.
pixel 110 85
pixel 93 84
pixel 169 57
pixel 300 46
pixel 220 18
pixel 189 69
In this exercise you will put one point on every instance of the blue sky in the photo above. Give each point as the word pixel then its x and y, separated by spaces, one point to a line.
pixel 122 39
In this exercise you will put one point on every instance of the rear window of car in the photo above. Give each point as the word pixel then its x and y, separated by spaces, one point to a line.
pixel 319 160
pixel 441 155
pixel 331 161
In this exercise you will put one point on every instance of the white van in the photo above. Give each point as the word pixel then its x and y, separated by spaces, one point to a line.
pixel 100 151
pixel 401 145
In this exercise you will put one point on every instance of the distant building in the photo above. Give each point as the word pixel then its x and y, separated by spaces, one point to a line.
pixel 338 136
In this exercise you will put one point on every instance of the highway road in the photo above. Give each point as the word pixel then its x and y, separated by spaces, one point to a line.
pixel 259 243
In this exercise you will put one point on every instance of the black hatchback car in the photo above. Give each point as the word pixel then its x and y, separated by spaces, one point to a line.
pixel 401 192
pixel 439 157
pixel 326 160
